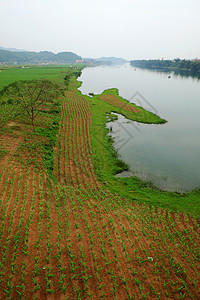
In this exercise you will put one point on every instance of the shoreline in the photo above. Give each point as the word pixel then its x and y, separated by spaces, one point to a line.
pixel 107 164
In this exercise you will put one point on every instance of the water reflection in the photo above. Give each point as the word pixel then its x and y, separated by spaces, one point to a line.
pixel 178 73
pixel 151 157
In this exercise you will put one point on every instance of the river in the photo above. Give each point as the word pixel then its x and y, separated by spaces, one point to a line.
pixel 169 154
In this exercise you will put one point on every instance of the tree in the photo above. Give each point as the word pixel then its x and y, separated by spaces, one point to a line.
pixel 32 95
pixel 67 79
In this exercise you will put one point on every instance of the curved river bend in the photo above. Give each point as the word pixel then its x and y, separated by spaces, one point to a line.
pixel 168 155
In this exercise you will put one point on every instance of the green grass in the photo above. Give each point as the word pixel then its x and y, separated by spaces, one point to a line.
pixel 15 73
pixel 2 153
pixel 47 148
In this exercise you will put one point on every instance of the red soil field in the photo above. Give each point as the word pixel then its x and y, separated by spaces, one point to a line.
pixel 112 99
pixel 72 239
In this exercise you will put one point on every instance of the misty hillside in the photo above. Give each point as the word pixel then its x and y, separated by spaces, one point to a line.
pixel 113 60
pixel 13 49
pixel 9 57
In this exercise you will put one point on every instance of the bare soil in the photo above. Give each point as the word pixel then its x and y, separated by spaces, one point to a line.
pixel 112 99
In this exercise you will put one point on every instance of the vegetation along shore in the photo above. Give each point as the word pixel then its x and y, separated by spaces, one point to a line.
pixel 183 66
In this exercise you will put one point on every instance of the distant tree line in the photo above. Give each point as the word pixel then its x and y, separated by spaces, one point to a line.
pixel 182 64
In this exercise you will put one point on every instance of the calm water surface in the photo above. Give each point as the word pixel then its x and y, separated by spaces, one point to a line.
pixel 168 155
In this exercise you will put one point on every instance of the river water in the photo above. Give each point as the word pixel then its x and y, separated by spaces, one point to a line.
pixel 169 154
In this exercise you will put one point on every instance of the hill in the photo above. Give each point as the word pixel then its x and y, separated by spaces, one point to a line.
pixel 13 49
pixel 42 57
pixel 111 60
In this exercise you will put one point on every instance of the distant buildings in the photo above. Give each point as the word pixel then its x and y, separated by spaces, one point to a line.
pixel 79 61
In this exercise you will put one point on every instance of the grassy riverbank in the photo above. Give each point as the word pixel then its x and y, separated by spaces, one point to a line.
pixel 107 163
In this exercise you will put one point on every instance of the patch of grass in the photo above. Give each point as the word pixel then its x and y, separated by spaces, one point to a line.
pixel 48 153
pixel 3 153
pixel 111 117
pixel 29 151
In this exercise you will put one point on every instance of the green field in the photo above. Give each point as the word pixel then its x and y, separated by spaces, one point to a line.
pixel 10 74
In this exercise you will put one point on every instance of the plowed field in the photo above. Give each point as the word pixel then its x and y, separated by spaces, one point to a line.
pixel 72 239
pixel 112 99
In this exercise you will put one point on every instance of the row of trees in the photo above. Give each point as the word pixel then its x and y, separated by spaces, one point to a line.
pixel 190 65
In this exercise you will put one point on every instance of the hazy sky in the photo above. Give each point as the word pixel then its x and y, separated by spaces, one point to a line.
pixel 132 29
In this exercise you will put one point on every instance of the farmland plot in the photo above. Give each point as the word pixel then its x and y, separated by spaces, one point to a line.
pixel 73 239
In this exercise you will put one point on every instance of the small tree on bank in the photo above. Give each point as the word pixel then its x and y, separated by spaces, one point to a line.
pixel 32 96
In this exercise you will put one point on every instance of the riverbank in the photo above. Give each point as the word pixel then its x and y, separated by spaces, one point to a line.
pixel 190 66
pixel 107 163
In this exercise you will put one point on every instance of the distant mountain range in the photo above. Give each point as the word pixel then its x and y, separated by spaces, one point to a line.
pixel 13 49
pixel 10 56
pixel 112 60
pixel 42 57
